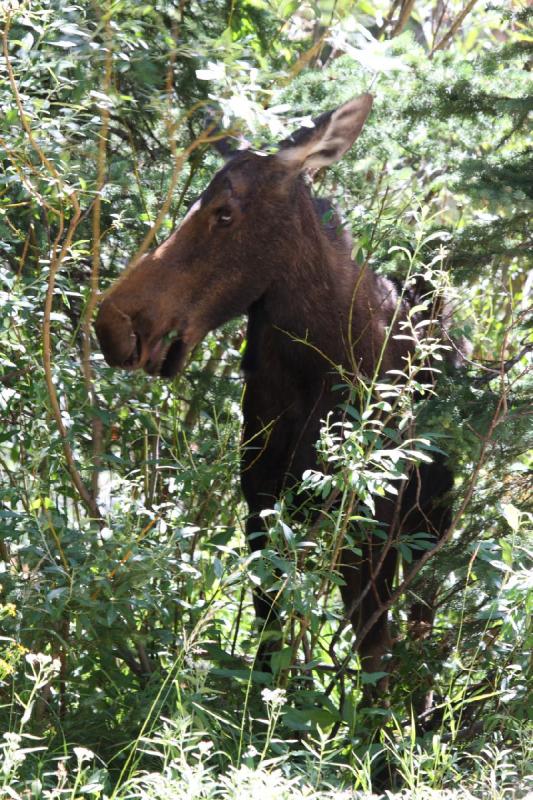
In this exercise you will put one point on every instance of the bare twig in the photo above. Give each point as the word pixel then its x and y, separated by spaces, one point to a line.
pixel 454 27
pixel 96 422
pixel 405 12
pixel 57 256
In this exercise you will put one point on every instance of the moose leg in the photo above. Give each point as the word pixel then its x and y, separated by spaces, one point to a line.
pixel 368 584
pixel 263 600
pixel 425 510
pixel 358 578
pixel 260 487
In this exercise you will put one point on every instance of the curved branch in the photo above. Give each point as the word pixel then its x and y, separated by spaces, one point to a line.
pixel 56 258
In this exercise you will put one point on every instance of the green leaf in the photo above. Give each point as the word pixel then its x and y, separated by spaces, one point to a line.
pixel 281 660
pixel 512 515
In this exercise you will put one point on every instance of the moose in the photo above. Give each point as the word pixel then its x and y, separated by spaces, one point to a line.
pixel 255 243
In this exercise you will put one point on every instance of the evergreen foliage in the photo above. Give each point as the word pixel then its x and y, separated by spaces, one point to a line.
pixel 113 622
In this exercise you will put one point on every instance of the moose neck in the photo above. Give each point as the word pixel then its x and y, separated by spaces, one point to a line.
pixel 307 305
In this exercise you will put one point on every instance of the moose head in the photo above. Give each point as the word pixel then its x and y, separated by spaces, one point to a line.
pixel 233 247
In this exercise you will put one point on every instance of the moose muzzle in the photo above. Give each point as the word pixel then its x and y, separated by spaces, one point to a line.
pixel 120 343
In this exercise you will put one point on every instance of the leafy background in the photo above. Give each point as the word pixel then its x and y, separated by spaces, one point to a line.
pixel 128 642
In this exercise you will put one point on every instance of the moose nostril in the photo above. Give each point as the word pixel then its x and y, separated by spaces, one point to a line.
pixel 120 342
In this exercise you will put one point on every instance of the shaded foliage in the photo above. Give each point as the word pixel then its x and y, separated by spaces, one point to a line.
pixel 148 608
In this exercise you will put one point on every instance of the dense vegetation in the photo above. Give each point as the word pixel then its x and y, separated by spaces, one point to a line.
pixel 128 641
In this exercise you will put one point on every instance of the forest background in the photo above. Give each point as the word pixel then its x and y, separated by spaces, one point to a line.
pixel 127 645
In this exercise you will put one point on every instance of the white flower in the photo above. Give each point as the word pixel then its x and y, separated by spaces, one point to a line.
pixel 13 739
pixel 275 697
pixel 205 746
pixel 38 659
pixel 42 661
pixel 83 754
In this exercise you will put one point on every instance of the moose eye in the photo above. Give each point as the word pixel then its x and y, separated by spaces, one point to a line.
pixel 223 217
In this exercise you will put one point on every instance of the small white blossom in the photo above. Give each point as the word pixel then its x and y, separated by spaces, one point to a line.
pixel 43 660
pixel 275 697
pixel 83 754
pixel 12 739
pixel 205 746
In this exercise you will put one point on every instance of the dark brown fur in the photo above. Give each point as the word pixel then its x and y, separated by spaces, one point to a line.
pixel 257 245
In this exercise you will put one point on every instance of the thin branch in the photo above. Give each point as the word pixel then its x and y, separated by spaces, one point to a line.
pixel 50 168
pixel 405 13
pixel 505 366
pixel 96 421
pixel 454 27
pixel 56 258
pixel 388 19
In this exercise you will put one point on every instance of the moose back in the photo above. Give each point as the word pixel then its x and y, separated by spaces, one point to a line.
pixel 254 243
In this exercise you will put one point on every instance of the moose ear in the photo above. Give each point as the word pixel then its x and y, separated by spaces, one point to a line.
pixel 332 135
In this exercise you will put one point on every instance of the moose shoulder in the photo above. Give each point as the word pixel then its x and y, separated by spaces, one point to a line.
pixel 254 243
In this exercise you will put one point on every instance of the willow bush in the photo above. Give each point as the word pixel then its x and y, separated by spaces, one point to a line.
pixel 125 575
